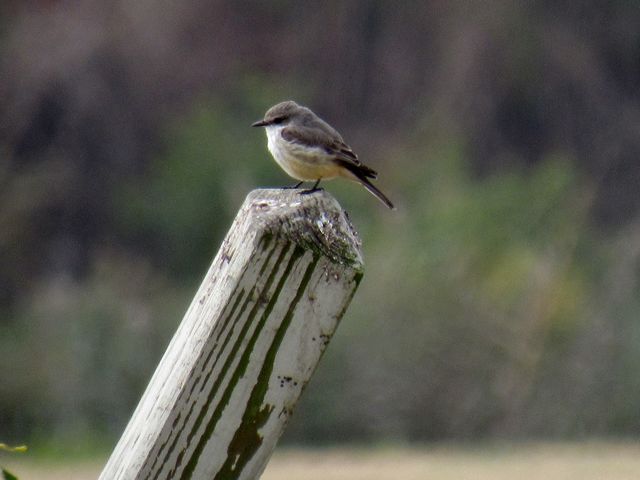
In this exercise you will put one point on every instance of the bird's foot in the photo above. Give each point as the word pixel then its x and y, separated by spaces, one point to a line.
pixel 312 189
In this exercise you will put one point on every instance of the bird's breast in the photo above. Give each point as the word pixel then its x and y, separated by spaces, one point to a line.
pixel 299 161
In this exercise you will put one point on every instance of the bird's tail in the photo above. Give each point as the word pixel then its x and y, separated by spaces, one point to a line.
pixel 362 173
pixel 376 192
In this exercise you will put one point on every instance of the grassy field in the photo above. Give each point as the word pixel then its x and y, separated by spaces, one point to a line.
pixel 584 461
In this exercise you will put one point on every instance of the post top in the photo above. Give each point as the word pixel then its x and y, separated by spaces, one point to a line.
pixel 315 221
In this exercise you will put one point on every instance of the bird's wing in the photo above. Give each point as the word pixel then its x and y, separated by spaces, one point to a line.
pixel 330 143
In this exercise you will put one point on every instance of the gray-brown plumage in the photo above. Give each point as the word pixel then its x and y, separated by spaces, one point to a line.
pixel 309 149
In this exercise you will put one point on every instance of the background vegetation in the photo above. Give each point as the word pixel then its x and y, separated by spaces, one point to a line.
pixel 501 300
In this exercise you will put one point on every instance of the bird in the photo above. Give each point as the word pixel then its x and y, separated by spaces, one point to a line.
pixel 310 150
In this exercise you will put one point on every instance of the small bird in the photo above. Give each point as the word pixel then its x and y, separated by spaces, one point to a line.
pixel 309 149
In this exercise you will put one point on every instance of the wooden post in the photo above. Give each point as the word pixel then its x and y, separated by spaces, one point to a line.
pixel 248 344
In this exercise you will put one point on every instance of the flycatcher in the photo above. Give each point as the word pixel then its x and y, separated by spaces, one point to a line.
pixel 309 149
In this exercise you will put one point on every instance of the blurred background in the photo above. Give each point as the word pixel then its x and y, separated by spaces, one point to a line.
pixel 501 301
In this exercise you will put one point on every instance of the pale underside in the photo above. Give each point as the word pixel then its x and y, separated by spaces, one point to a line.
pixel 303 162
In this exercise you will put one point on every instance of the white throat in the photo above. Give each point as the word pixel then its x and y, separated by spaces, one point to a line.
pixel 274 139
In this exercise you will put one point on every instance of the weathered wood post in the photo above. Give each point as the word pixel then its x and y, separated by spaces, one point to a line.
pixel 248 344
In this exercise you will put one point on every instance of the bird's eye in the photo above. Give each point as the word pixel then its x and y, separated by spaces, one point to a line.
pixel 278 120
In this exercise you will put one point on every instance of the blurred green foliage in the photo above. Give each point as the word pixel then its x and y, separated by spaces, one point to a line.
pixel 193 191
pixel 500 300
pixel 495 312
pixel 106 331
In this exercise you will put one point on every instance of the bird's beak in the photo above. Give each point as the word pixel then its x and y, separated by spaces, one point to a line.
pixel 260 123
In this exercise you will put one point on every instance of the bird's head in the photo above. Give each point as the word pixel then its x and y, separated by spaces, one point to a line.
pixel 281 114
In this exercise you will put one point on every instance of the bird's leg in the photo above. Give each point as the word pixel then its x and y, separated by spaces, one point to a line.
pixel 293 186
pixel 312 189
